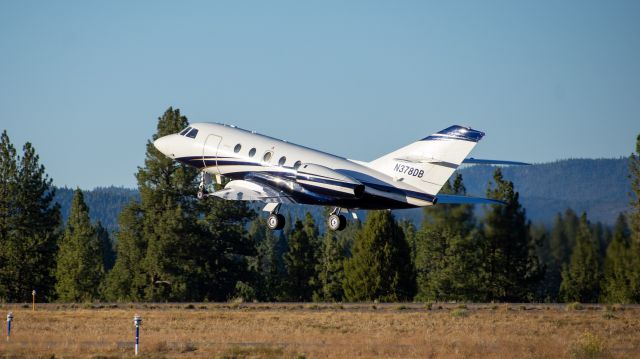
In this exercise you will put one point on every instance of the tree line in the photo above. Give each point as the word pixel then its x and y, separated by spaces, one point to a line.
pixel 172 247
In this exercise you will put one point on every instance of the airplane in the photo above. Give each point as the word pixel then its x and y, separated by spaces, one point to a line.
pixel 276 172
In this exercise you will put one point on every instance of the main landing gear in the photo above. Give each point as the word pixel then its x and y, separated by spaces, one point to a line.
pixel 336 221
pixel 276 221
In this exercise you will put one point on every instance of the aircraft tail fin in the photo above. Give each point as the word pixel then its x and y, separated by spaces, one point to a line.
pixel 427 164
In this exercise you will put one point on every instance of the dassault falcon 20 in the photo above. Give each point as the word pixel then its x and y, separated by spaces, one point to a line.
pixel 262 168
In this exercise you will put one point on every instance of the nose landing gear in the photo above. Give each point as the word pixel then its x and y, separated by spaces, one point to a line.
pixel 206 184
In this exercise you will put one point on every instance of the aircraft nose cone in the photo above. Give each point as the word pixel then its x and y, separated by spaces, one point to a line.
pixel 163 145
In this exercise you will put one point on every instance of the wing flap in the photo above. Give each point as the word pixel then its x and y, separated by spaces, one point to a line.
pixel 242 190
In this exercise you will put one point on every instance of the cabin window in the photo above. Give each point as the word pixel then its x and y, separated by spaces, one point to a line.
pixel 193 133
pixel 297 164
pixel 183 132
pixel 267 156
pixel 237 148
pixel 252 152
pixel 282 161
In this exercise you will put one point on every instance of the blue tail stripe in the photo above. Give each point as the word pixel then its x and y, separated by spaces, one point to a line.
pixel 456 133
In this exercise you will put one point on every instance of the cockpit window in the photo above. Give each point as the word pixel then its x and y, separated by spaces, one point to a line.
pixel 183 132
pixel 193 133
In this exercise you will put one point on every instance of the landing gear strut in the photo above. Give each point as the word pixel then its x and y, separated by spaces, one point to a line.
pixel 336 221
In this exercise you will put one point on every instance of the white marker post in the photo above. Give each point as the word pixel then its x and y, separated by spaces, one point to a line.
pixel 137 320
pixel 33 295
pixel 9 320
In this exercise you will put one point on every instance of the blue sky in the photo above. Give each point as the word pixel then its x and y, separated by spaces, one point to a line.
pixel 85 81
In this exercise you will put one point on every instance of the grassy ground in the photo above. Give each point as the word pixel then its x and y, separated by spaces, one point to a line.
pixel 267 330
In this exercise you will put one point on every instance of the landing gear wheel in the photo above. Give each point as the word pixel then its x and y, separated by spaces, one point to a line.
pixel 275 221
pixel 337 222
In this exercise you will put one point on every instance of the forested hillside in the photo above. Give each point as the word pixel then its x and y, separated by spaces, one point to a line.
pixel 105 203
pixel 597 186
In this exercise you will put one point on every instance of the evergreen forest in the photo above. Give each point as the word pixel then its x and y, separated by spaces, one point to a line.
pixel 163 244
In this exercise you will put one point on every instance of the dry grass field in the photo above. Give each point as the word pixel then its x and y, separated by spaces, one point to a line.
pixel 267 330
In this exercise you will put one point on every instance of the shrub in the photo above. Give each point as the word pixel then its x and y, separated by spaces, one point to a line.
pixel 614 307
pixel 460 312
pixel 588 346
pixel 575 306
pixel 245 292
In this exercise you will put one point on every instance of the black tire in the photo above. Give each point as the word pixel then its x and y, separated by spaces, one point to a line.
pixel 275 221
pixel 335 223
pixel 281 221
pixel 343 222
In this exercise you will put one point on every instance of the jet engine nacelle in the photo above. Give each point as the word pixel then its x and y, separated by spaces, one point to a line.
pixel 321 179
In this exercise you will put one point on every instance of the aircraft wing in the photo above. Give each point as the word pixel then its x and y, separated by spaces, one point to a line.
pixel 478 161
pixel 242 190
pixel 455 199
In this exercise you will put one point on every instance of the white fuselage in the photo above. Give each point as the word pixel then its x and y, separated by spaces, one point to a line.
pixel 240 154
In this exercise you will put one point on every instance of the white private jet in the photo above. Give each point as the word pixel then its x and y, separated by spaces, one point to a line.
pixel 262 168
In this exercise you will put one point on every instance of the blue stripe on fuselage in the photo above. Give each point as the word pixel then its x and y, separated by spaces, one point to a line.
pixel 198 161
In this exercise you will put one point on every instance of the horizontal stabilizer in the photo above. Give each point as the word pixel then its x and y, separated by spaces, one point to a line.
pixel 478 161
pixel 454 199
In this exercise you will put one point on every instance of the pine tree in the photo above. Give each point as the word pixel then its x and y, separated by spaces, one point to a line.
pixel 634 220
pixel 559 253
pixel 108 252
pixel 458 218
pixel 540 238
pixel 29 225
pixel 168 214
pixel 311 228
pixel 511 268
pixel 268 263
pixel 80 267
pixel 634 175
pixel 185 250
pixel 330 270
pixel 127 280
pixel 224 250
pixel 380 267
pixel 8 188
pixel 411 236
pixel 300 264
pixel 581 278
pixel 448 259
pixel 616 281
